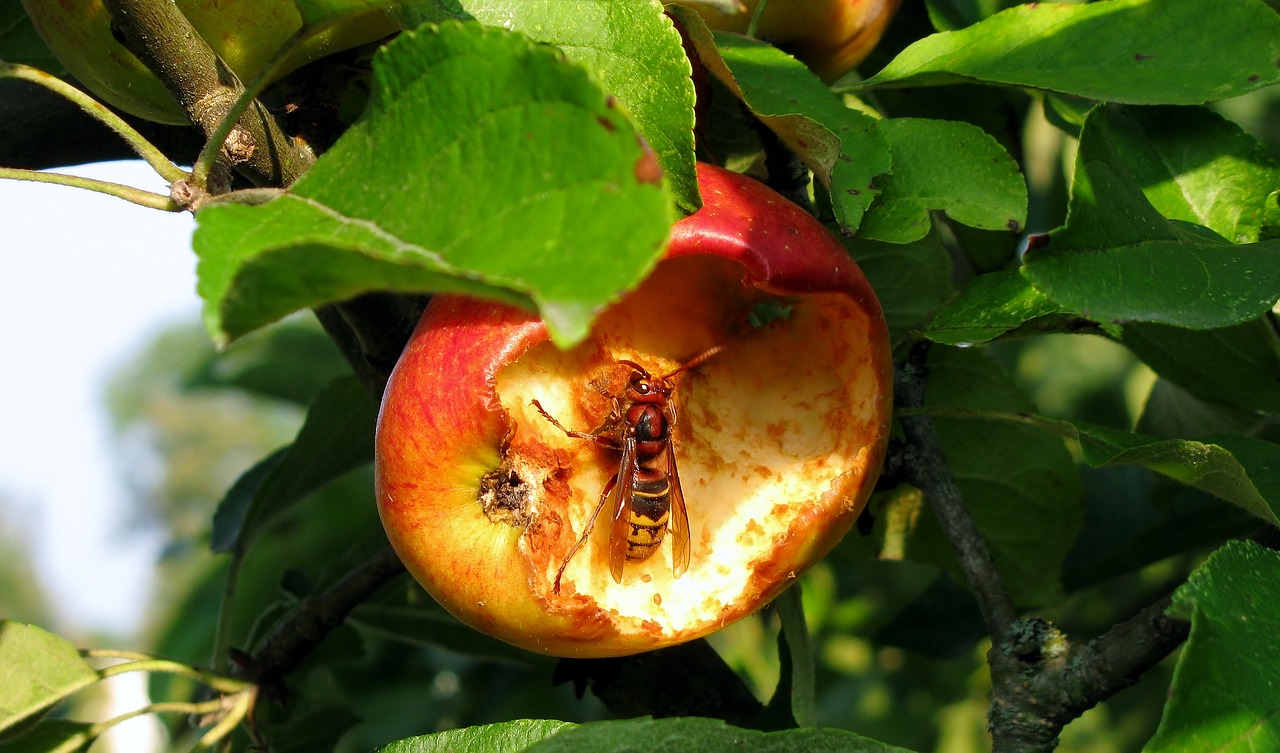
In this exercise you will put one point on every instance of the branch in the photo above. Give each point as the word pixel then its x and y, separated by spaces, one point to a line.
pixel 1035 696
pixel 307 626
pixel 1040 679
pixel 927 470
pixel 162 38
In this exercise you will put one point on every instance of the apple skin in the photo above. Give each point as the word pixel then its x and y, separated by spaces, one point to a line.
pixel 244 33
pixel 450 426
pixel 830 36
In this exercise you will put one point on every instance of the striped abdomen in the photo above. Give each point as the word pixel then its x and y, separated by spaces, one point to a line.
pixel 650 510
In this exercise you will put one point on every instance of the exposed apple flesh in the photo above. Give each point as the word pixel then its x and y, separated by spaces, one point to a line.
pixel 778 440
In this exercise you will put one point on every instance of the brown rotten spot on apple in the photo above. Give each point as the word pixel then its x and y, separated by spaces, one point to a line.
pixel 777 437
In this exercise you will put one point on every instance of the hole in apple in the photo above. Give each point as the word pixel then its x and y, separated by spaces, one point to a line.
pixel 504 497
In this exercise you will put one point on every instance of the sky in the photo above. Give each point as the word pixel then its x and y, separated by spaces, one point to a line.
pixel 85 281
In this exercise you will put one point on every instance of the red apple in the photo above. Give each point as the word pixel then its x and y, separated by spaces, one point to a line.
pixel 830 36
pixel 778 437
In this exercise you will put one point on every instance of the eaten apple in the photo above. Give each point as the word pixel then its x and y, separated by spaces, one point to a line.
pixel 778 432
pixel 829 36
pixel 246 34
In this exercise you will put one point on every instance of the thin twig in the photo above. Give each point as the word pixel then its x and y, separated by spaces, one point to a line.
pixel 130 194
pixel 927 470
pixel 306 627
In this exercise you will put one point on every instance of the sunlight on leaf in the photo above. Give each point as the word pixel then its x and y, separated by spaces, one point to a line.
pixel 486 165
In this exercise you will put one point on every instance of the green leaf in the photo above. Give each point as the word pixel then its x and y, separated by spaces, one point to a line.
pixel 912 280
pixel 945 166
pixel 635 52
pixel 1192 165
pixel 992 305
pixel 1225 694
pixel 1234 365
pixel 841 146
pixel 336 437
pixel 1022 486
pixel 289 362
pixel 486 164
pixel 39 669
pixel 1136 51
pixel 1117 259
pixel 1240 470
pixel 633 49
pixel 52 736
pixel 703 736
pixel 504 737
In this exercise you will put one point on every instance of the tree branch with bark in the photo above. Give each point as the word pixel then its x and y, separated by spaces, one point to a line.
pixel 207 90
pixel 1041 678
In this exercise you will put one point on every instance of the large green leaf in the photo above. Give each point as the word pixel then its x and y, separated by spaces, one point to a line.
pixel 1225 694
pixel 841 146
pixel 1141 167
pixel 1020 484
pixel 504 737
pixel 1118 259
pixel 992 305
pixel 1191 164
pixel 704 736
pixel 486 164
pixel 1171 412
pixel 1136 51
pixel 1240 470
pixel 634 51
pixel 38 669
pixel 652 735
pixel 944 166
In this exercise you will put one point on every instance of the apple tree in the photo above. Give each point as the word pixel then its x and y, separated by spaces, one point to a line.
pixel 1069 214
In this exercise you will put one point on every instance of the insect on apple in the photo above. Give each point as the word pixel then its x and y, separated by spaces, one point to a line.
pixel 647 500
pixel 779 443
